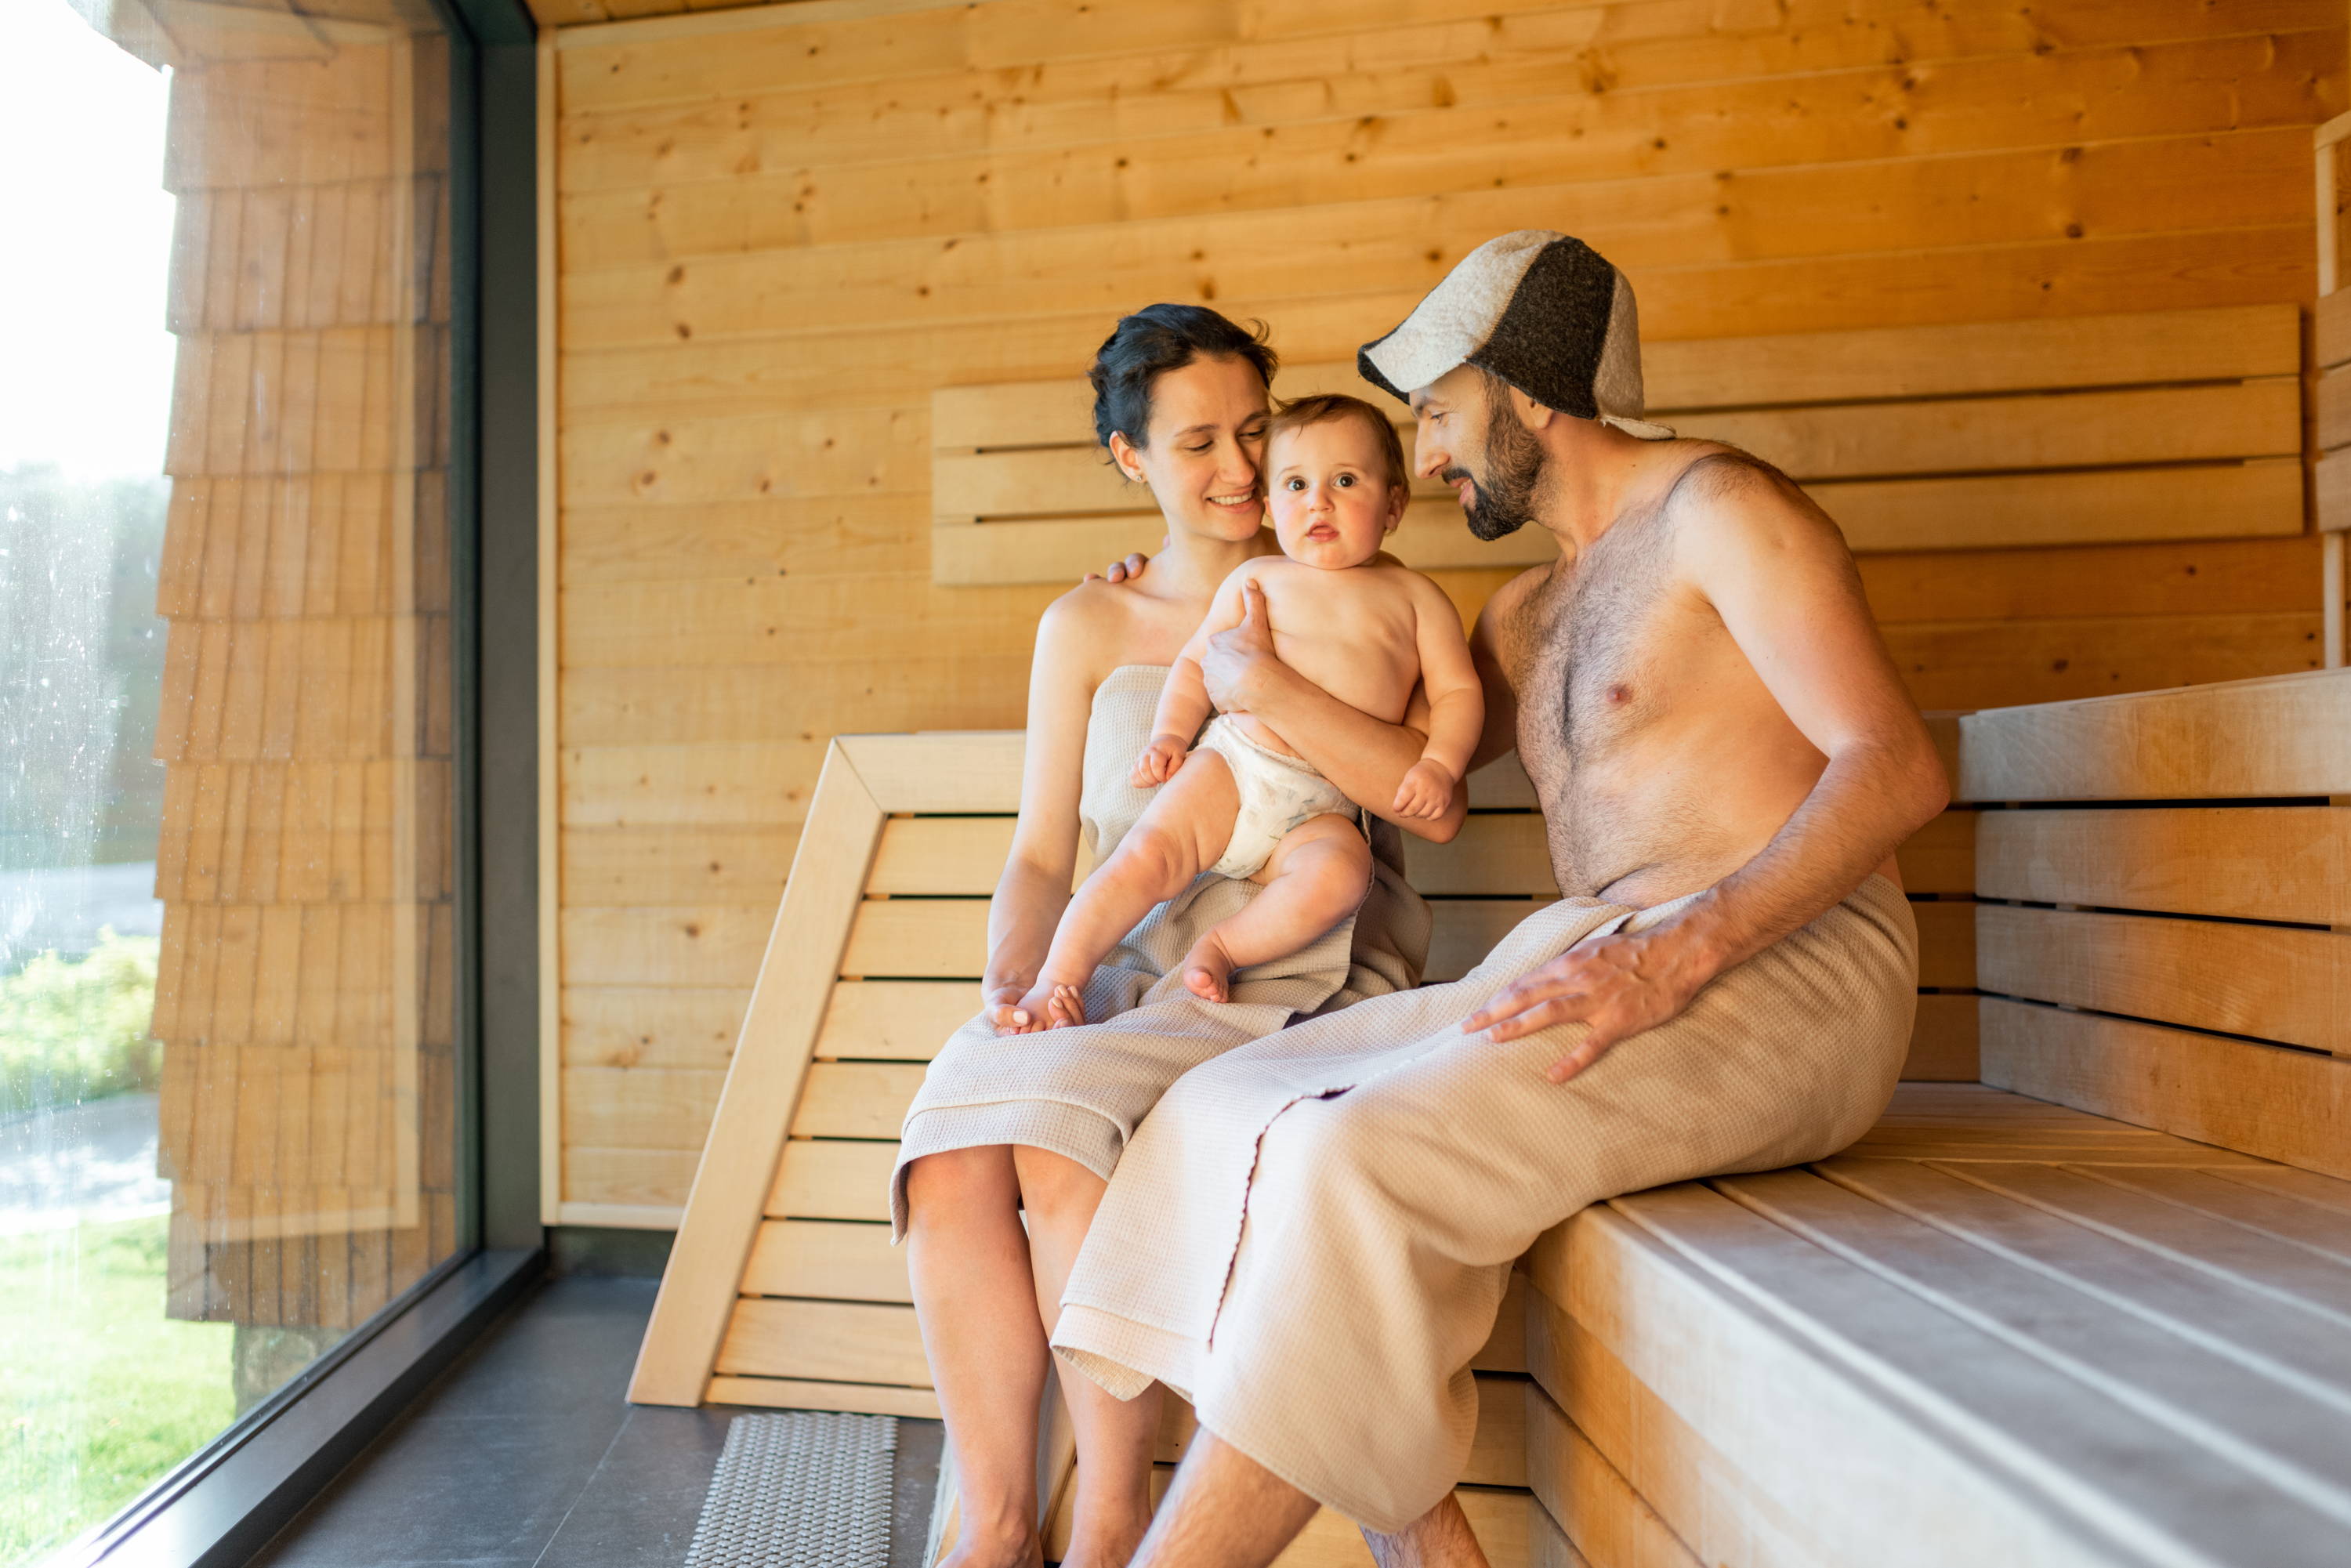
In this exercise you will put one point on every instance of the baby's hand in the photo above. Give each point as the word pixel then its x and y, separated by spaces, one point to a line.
pixel 1159 760
pixel 1427 790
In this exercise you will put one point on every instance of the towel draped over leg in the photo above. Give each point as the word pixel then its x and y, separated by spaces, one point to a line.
pixel 1310 1235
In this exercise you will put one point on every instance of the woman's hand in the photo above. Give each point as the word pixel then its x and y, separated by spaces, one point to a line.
pixel 1159 761
pixel 1236 654
pixel 999 1004
pixel 1427 790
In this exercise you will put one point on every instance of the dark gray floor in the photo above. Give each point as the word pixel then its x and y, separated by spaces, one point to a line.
pixel 524 1453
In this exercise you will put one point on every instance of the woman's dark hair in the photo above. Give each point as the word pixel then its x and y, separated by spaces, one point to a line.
pixel 1151 343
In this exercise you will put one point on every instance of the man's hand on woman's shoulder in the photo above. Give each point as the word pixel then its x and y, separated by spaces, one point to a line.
pixel 1125 570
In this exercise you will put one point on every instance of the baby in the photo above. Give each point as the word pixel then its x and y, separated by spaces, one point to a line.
pixel 1243 804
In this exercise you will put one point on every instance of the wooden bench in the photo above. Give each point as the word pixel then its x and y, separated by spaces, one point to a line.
pixel 783 1289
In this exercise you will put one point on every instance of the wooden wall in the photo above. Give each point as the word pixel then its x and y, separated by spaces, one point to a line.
pixel 779 230
pixel 306 994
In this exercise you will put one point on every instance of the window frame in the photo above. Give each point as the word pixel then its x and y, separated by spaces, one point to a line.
pixel 223 1502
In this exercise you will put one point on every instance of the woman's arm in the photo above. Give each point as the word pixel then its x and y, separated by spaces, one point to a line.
pixel 1035 884
pixel 1362 755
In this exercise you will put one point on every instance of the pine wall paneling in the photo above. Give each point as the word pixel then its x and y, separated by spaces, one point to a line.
pixel 777 233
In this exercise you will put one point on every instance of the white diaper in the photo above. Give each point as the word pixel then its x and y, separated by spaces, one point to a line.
pixel 1277 793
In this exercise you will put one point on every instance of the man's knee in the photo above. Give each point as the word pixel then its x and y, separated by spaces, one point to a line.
pixel 958 1181
pixel 1332 1142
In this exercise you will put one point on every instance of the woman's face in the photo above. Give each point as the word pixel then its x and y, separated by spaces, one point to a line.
pixel 1207 449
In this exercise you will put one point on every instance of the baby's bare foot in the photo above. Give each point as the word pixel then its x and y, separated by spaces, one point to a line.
pixel 1209 969
pixel 1066 1009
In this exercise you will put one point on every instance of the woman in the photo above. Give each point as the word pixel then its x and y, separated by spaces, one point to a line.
pixel 1010 1121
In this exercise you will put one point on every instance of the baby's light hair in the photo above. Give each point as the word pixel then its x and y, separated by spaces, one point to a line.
pixel 1322 406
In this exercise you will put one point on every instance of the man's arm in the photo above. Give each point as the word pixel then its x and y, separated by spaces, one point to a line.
pixel 1364 756
pixel 1773 567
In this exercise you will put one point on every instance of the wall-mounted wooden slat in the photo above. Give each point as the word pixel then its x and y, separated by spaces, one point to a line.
pixel 2280 983
pixel 855 1099
pixel 2288 735
pixel 904 1021
pixel 2289 862
pixel 794 1393
pixel 2288 1105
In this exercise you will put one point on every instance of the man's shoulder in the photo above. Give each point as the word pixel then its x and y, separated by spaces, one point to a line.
pixel 1510 598
pixel 1718 490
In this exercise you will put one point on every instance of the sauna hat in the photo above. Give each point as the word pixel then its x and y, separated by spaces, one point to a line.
pixel 1540 310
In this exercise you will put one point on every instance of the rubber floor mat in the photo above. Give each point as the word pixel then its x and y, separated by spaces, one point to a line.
pixel 799 1489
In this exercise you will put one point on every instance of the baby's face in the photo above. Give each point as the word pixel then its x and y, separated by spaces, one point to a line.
pixel 1328 490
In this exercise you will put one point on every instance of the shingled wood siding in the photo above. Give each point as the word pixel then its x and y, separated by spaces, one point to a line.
pixel 778 232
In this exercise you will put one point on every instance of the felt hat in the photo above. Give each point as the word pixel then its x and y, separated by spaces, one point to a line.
pixel 1542 310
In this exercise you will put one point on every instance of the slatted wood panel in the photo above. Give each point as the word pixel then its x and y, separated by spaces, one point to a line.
pixel 2197 940
pixel 777 232
pixel 2331 428
pixel 2070 447
pixel 306 988
pixel 1996 1331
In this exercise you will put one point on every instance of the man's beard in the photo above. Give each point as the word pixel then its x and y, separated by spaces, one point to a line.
pixel 1503 502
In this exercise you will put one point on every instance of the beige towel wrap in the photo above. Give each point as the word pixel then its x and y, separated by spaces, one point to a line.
pixel 1310 1234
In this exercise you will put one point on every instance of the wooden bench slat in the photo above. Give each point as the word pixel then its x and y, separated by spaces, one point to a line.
pixel 2271 1213
pixel 827 1180
pixel 2186 1384
pixel 838 1259
pixel 2273 982
pixel 1587 1499
pixel 834 1341
pixel 855 1099
pixel 857 1398
pixel 2281 862
pixel 901 1020
pixel 1946 943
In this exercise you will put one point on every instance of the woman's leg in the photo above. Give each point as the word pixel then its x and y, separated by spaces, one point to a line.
pixel 1114 1438
pixel 1179 835
pixel 976 1299
pixel 1314 879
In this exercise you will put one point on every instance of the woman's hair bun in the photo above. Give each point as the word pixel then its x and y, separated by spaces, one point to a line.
pixel 1153 340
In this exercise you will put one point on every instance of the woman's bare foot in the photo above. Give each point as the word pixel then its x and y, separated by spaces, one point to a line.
pixel 1209 968
pixel 1011 1544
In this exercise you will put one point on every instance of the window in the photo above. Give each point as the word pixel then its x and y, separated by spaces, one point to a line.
pixel 228 954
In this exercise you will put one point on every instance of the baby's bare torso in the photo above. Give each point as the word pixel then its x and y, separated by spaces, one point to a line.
pixel 1352 632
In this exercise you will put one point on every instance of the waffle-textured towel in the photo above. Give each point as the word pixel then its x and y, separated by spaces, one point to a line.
pixel 1080 1091
pixel 1310 1234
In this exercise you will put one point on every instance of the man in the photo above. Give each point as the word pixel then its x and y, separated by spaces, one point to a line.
pixel 1310 1236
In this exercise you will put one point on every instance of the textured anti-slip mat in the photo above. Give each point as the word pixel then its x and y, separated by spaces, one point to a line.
pixel 799 1489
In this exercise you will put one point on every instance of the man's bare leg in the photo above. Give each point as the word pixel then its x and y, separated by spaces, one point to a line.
pixel 1440 1538
pixel 1314 879
pixel 1115 1438
pixel 1225 1510
pixel 1179 835
pixel 976 1302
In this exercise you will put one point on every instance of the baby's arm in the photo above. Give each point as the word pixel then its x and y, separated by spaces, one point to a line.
pixel 1456 704
pixel 1184 700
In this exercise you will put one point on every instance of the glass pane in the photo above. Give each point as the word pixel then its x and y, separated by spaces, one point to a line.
pixel 227 1109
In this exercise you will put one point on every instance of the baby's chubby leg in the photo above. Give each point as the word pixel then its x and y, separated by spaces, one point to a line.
pixel 1314 879
pixel 1179 835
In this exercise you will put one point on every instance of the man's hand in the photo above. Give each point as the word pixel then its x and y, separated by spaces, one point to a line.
pixel 1427 790
pixel 1125 570
pixel 1619 984
pixel 1234 652
pixel 1159 761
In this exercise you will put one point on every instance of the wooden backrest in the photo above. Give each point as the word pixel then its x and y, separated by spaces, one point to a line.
pixel 2166 931
pixel 2171 424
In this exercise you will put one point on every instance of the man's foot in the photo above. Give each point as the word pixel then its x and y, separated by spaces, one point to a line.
pixel 1209 969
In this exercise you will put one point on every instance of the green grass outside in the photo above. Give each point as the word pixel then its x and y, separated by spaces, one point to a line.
pixel 100 1392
